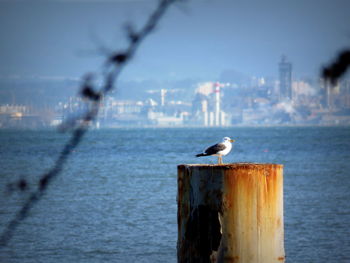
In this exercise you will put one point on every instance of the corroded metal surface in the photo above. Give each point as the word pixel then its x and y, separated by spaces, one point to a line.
pixel 230 213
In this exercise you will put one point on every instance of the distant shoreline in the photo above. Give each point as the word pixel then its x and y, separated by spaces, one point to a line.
pixel 186 127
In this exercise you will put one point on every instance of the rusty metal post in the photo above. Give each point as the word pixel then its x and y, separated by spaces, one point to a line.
pixel 230 213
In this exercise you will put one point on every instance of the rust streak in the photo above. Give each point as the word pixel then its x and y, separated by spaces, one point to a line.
pixel 249 199
pixel 233 259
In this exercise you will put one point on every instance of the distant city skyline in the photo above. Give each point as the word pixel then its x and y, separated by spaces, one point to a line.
pixel 197 39
pixel 210 104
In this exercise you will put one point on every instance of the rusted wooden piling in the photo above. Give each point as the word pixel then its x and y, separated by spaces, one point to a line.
pixel 230 213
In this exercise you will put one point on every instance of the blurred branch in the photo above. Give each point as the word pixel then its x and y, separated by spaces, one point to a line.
pixel 334 71
pixel 115 63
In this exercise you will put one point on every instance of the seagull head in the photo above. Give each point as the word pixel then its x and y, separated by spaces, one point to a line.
pixel 227 139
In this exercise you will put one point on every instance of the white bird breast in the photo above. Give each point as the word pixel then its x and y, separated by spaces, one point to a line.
pixel 226 150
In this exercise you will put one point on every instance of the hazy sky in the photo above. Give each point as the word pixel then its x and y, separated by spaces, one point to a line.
pixel 197 39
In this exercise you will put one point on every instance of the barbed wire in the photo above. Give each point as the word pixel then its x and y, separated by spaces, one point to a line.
pixel 335 70
pixel 115 63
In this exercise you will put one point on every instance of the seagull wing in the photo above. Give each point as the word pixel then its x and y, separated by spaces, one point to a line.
pixel 214 149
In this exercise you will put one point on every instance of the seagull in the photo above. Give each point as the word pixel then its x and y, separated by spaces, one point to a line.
pixel 219 149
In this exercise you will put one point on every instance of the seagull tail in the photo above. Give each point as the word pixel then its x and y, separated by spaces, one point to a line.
pixel 201 154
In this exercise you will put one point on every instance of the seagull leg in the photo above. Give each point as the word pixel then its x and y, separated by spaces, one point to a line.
pixel 219 159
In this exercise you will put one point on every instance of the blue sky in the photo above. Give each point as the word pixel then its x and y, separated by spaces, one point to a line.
pixel 196 39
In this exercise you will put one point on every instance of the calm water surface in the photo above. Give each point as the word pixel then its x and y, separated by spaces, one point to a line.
pixel 116 199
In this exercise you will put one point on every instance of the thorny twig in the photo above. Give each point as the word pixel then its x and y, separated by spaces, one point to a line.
pixel 114 66
pixel 334 71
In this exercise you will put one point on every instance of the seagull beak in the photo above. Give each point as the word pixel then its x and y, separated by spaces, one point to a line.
pixel 232 140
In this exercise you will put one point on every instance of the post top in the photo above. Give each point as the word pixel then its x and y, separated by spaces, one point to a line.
pixel 231 165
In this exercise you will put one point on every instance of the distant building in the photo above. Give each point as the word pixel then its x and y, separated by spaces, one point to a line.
pixel 207 105
pixel 303 93
pixel 345 93
pixel 285 78
pixel 162 96
pixel 330 95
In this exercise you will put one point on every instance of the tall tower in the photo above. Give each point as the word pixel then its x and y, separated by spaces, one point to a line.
pixel 285 77
pixel 162 96
pixel 217 104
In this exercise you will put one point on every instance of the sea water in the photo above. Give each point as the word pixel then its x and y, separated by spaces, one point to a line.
pixel 115 200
